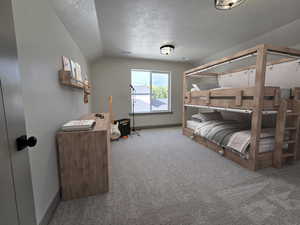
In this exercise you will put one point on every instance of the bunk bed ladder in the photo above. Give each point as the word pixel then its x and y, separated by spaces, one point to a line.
pixel 287 133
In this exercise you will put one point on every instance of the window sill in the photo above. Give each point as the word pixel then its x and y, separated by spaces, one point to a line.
pixel 150 113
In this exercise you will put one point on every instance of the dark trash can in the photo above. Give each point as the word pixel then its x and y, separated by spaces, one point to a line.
pixel 124 127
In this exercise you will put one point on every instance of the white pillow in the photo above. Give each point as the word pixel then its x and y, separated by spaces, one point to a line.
pixel 195 86
pixel 197 117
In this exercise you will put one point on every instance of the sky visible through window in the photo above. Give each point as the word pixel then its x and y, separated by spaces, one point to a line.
pixel 142 78
pixel 160 79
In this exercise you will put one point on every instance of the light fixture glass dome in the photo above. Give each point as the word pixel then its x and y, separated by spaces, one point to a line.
pixel 227 4
pixel 167 49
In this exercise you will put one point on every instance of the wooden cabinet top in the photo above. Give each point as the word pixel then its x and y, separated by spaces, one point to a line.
pixel 101 124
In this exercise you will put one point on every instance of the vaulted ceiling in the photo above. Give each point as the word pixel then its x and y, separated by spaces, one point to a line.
pixel 80 19
pixel 137 28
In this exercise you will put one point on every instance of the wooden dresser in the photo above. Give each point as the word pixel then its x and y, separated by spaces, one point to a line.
pixel 84 160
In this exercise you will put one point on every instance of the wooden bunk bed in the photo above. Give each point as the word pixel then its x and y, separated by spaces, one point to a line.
pixel 256 100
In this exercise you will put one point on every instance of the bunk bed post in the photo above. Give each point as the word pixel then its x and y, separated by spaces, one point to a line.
pixel 258 105
pixel 184 112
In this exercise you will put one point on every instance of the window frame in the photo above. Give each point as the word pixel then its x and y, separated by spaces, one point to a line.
pixel 169 110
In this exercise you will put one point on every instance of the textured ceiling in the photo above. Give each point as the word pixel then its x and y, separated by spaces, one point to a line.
pixel 80 19
pixel 137 28
pixel 195 27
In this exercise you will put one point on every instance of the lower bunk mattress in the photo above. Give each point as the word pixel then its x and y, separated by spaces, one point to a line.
pixel 232 135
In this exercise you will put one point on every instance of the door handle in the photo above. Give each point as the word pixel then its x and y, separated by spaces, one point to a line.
pixel 24 142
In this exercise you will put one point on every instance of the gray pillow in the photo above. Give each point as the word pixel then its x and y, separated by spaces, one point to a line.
pixel 207 116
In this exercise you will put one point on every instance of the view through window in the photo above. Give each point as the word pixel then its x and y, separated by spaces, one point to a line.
pixel 152 90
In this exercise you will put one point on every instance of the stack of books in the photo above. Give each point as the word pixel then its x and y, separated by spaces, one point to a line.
pixel 79 125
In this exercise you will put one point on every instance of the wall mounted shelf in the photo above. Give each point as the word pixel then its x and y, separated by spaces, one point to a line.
pixel 66 79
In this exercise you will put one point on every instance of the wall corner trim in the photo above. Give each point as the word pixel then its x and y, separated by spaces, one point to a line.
pixel 51 210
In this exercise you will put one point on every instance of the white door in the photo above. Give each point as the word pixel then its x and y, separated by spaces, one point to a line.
pixel 16 195
pixel 8 207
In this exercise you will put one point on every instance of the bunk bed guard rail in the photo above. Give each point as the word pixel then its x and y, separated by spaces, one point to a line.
pixel 241 98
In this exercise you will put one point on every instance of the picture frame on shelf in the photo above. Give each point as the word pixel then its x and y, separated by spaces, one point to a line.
pixel 73 69
pixel 78 73
pixel 66 64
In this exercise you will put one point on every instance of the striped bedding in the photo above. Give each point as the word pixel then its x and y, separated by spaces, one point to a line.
pixel 232 135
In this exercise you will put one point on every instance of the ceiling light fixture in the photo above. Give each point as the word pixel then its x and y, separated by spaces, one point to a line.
pixel 167 49
pixel 227 4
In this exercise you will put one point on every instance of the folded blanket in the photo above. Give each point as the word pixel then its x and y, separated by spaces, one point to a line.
pixel 222 137
pixel 234 136
pixel 218 131
pixel 204 127
pixel 240 141
pixel 210 128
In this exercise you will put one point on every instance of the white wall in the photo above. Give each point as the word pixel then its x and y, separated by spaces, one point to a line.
pixel 111 76
pixel 42 40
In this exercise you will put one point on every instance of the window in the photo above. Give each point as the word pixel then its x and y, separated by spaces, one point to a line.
pixel 152 91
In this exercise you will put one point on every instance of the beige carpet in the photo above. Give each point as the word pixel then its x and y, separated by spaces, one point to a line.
pixel 164 178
